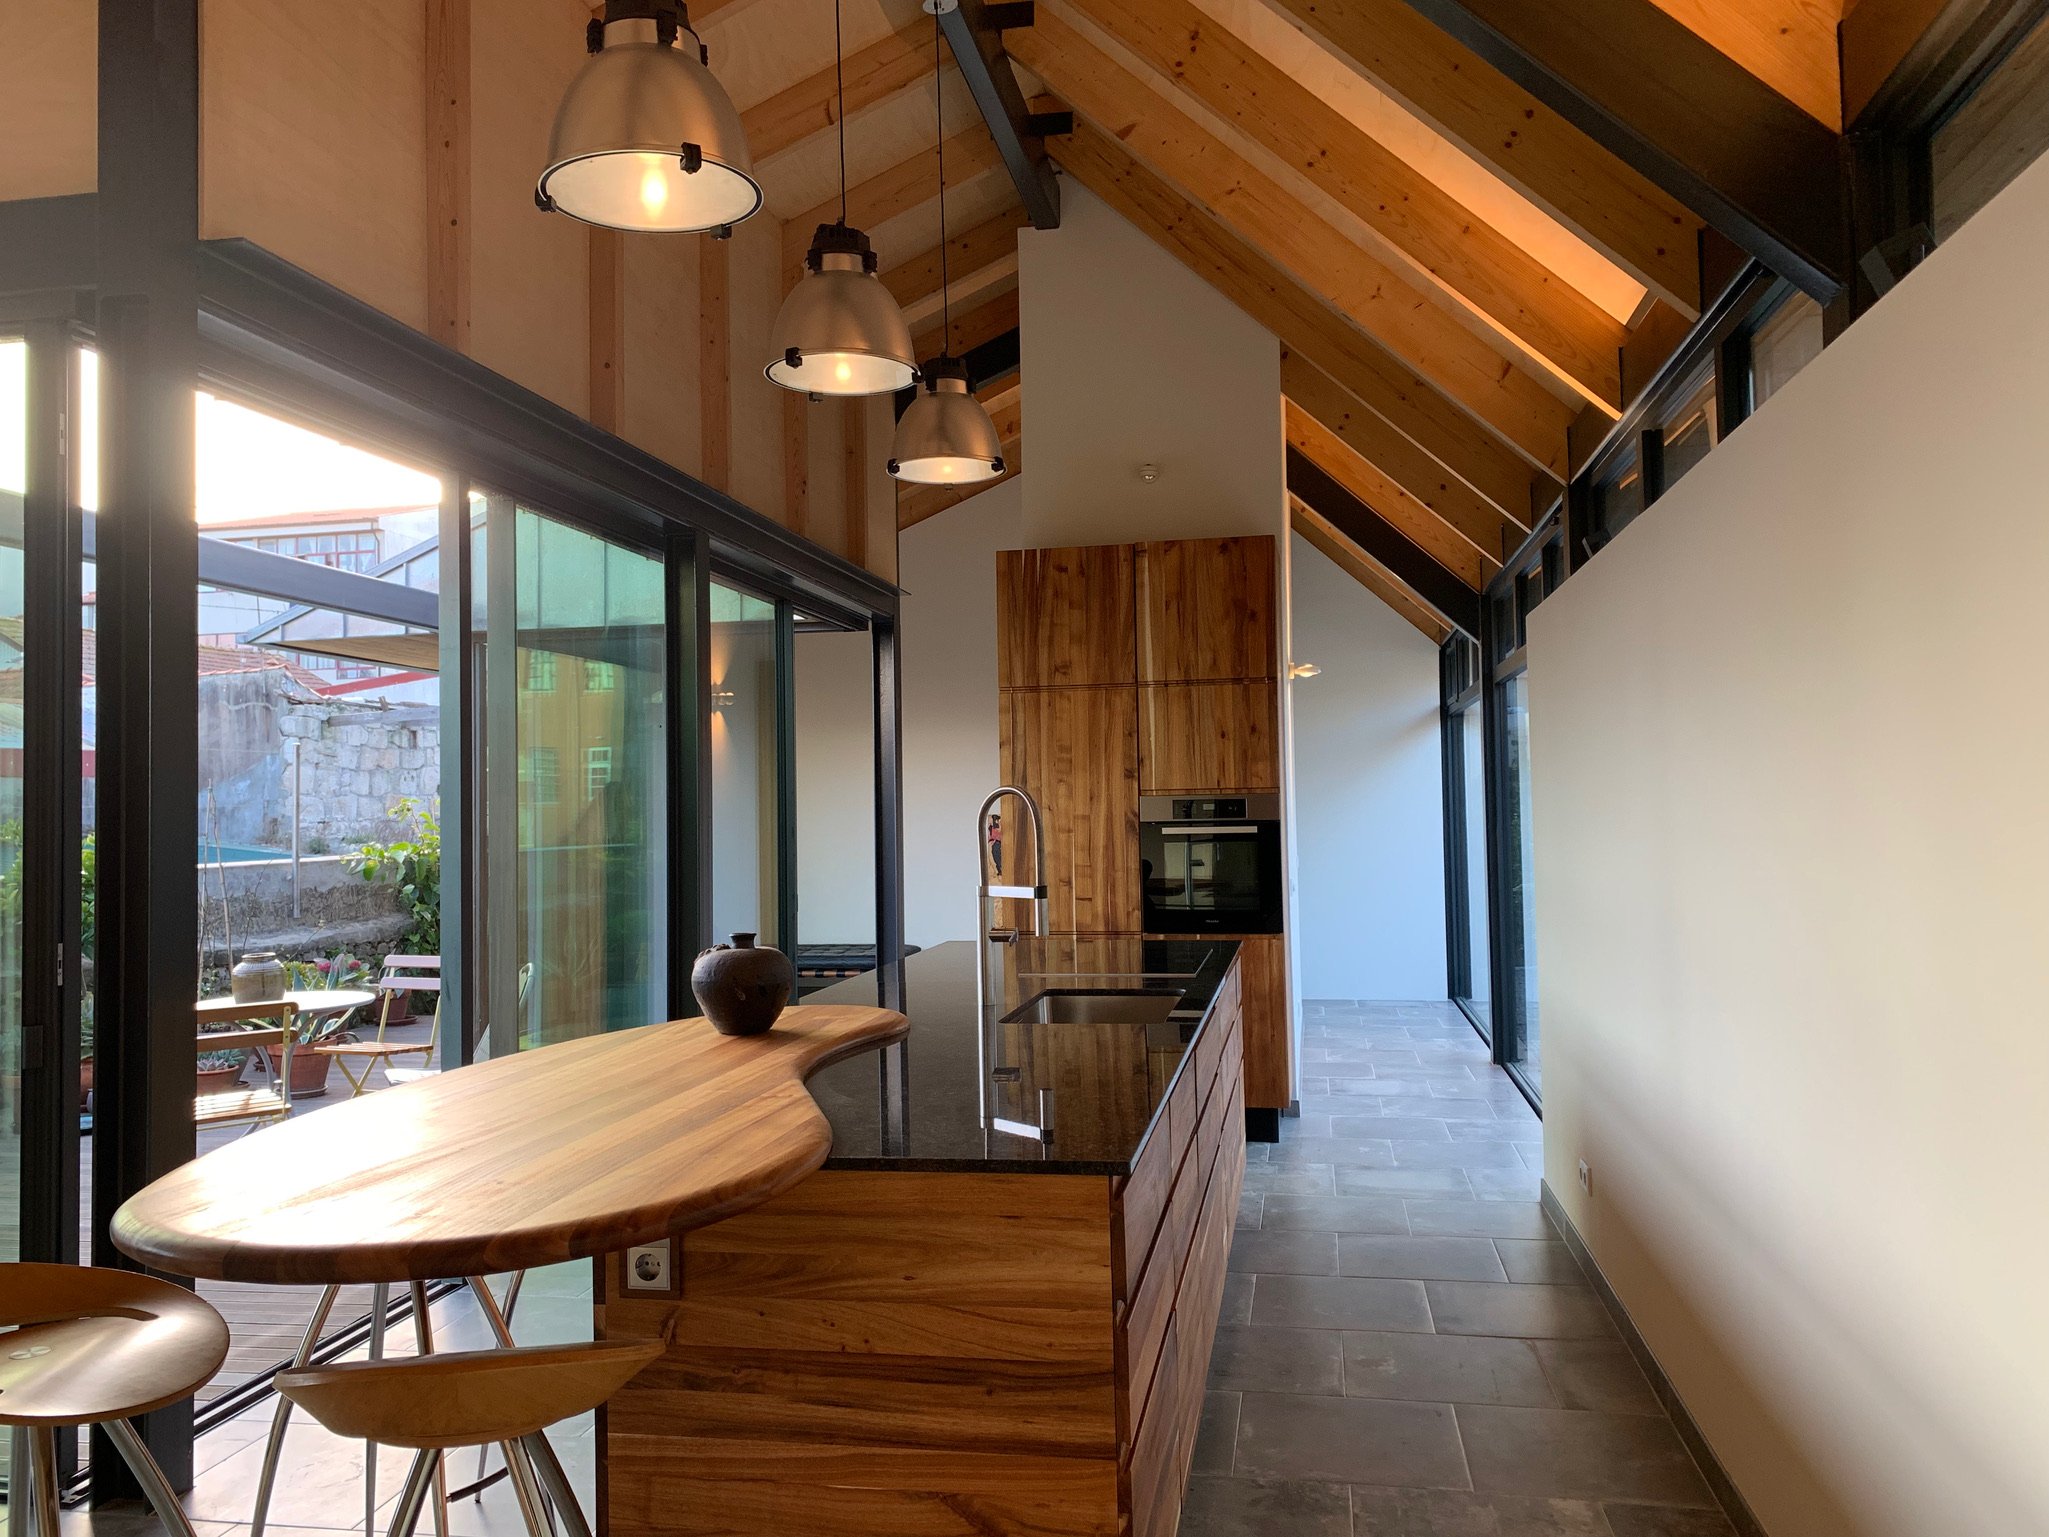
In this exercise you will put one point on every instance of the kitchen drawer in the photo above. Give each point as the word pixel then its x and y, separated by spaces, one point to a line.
pixel 1209 1050
pixel 1159 1283
pixel 1184 1105
pixel 1140 1202
pixel 1155 1470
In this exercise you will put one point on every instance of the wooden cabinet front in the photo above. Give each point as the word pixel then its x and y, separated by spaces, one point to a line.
pixel 1075 750
pixel 1205 610
pixel 1063 617
pixel 1268 1078
pixel 1208 736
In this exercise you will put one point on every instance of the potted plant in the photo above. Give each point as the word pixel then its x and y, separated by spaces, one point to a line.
pixel 220 1070
pixel 310 1068
pixel 414 865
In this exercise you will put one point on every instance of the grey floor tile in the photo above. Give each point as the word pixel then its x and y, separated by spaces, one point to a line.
pixel 1458 1155
pixel 1528 1134
pixel 1266 1252
pixel 1506 1185
pixel 1419 1259
pixel 1255 1153
pixel 1360 1085
pixel 1340 1302
pixel 1288 1179
pixel 1336 1214
pixel 1478 1219
pixel 1657 1521
pixel 1577 1454
pixel 1596 1374
pixel 1348 1440
pixel 1340 1057
pixel 1444 1513
pixel 1406 1127
pixel 1423 1107
pixel 1358 1152
pixel 1237 1308
pixel 1526 1312
pixel 1444 1369
pixel 1250 1205
pixel 1216 1435
pixel 1528 1259
pixel 1254 1359
pixel 1258 1507
pixel 1447 1184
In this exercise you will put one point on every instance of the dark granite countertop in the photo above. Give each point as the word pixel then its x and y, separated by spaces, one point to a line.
pixel 941 1100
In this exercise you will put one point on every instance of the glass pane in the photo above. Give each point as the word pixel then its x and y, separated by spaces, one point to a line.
pixel 1994 136
pixel 13 489
pixel 592 784
pixel 1692 429
pixel 1479 991
pixel 744 765
pixel 835 788
pixel 1521 935
pixel 1787 342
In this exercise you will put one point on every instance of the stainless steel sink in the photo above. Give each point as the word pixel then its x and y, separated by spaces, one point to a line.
pixel 1074 1006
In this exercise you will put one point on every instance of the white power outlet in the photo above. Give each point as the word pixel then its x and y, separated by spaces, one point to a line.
pixel 1586 1177
pixel 647 1269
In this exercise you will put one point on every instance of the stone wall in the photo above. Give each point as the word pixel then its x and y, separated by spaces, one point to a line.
pixel 338 910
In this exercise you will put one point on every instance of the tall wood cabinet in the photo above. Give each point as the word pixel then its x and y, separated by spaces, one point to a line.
pixel 1128 669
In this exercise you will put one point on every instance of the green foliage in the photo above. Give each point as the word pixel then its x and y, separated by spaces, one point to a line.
pixel 414 865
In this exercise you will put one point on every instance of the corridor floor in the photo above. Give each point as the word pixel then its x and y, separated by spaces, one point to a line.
pixel 1407 1350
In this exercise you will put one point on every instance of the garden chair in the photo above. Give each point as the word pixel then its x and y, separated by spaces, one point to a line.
pixel 243 1106
pixel 359 1059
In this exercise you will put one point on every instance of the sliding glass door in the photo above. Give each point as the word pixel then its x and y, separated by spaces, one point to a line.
pixel 752 841
pixel 1521 1049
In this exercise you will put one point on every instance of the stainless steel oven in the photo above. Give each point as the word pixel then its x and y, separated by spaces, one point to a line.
pixel 1210 864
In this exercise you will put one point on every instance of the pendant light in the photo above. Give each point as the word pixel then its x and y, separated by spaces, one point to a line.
pixel 646 138
pixel 839 331
pixel 945 437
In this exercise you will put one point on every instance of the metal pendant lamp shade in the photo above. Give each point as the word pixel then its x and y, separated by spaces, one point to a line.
pixel 840 332
pixel 945 437
pixel 646 138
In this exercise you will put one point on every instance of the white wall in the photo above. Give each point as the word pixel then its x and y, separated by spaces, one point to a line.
pixel 835 787
pixel 1792 892
pixel 1368 900
pixel 1128 358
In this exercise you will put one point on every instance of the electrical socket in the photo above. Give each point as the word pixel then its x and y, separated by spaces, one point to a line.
pixel 1586 1177
pixel 649 1268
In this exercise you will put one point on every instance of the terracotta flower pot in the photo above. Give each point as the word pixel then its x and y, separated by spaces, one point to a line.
pixel 217 1080
pixel 309 1071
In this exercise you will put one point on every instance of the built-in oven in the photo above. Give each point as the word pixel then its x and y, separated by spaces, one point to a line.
pixel 1210 864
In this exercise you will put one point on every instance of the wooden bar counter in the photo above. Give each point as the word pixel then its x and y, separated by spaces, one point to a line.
pixel 957 1326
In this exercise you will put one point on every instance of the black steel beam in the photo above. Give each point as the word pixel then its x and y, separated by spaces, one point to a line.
pixel 974 31
pixel 1647 88
pixel 48 242
pixel 689 730
pixel 146 960
pixel 1440 589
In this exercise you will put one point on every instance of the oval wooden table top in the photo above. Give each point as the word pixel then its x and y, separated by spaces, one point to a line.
pixel 563 1152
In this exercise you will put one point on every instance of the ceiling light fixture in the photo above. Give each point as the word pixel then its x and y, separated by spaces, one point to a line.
pixel 646 138
pixel 839 331
pixel 945 437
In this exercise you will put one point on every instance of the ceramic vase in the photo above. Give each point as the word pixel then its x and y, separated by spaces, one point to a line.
pixel 259 977
pixel 742 986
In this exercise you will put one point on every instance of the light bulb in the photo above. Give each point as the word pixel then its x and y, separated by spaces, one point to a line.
pixel 654 191
pixel 843 371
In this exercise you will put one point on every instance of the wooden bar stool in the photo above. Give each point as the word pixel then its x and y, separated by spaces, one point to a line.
pixel 431 1404
pixel 97 1347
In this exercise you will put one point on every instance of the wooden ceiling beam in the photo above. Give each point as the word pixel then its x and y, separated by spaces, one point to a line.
pixel 1366 571
pixel 1491 530
pixel 908 184
pixel 1303 323
pixel 1554 323
pixel 1641 228
pixel 1401 511
pixel 984 323
pixel 1365 527
pixel 874 74
pixel 1649 89
pixel 1108 98
pixel 968 254
pixel 973 31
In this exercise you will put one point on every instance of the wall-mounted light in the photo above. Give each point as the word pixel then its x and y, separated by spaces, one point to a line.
pixel 646 138
pixel 1149 473
pixel 721 697
pixel 1304 670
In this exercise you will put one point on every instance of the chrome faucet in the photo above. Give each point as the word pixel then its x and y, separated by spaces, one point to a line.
pixel 986 892
pixel 988 1006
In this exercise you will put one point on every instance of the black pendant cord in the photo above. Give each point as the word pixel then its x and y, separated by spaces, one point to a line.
pixel 939 117
pixel 839 75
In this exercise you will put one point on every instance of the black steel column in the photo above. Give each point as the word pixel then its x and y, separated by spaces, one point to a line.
pixel 461 806
pixel 786 778
pixel 889 808
pixel 689 695
pixel 148 574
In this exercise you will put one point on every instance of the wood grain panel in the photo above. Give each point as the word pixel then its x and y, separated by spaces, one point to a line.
pixel 49 110
pixel 811 105
pixel 448 172
pixel 608 329
pixel 1064 616
pixel 714 362
pixel 1155 1491
pixel 1268 1051
pixel 663 402
pixel 1395 507
pixel 1205 610
pixel 1207 736
pixel 1076 751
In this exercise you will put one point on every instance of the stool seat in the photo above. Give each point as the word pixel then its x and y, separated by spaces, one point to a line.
pixel 465 1398
pixel 87 1346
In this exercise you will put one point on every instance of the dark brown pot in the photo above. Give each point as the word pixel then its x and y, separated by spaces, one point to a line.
pixel 742 987
pixel 309 1071
pixel 217 1080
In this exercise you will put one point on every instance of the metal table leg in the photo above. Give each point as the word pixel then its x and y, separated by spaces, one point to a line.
pixel 281 1416
pixel 380 1311
pixel 423 1335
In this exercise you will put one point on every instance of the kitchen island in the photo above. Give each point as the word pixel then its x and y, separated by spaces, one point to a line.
pixel 991 1310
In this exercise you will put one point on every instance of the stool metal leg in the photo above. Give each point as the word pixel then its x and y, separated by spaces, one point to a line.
pixel 423 1334
pixel 42 1451
pixel 482 1286
pixel 281 1416
pixel 380 1311
pixel 155 1487
pixel 21 1517
pixel 556 1483
pixel 414 1494
pixel 531 1507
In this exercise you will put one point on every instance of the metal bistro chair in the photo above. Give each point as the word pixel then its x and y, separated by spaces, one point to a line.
pixel 96 1347
pixel 431 1404
pixel 402 974
pixel 266 1103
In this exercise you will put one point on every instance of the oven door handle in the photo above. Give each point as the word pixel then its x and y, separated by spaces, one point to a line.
pixel 1185 830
